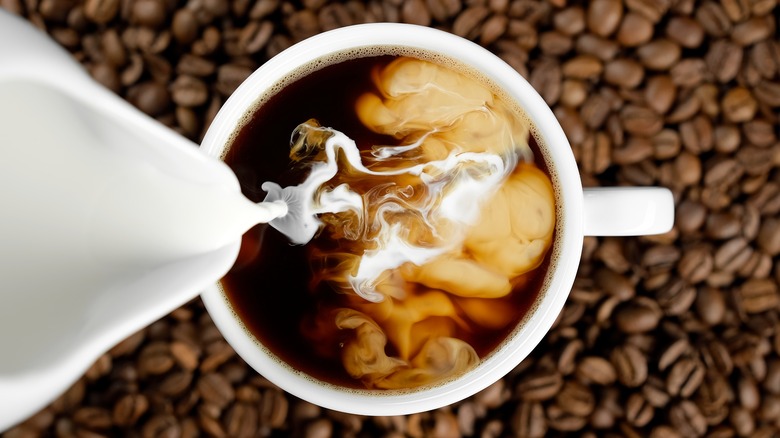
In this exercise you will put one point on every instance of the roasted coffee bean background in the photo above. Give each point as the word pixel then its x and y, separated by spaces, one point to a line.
pixel 663 336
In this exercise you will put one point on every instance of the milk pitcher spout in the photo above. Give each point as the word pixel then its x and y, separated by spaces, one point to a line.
pixel 85 258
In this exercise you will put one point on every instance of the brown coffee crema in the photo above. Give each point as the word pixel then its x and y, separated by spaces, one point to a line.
pixel 444 247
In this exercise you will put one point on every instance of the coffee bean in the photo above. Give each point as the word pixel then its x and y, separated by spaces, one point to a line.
pixel 730 256
pixel 752 31
pixel 742 420
pixel 468 21
pixel 635 30
pixel 640 120
pixel 684 377
pixel 689 73
pixel 129 409
pixel 189 91
pixel 630 365
pixel 686 417
pixel 761 57
pixel 758 295
pixel 710 306
pixel 208 43
pixel 723 60
pixel 174 384
pixel 660 93
pixel 653 10
pixel 637 149
pixel 493 396
pixel 567 361
pixel 599 47
pixel 493 28
pixel 215 389
pixel 605 310
pixel 612 254
pixel 771 381
pixel 184 26
pixel 748 393
pixel 723 173
pixel 241 420
pixel 255 36
pixel 660 257
pixel 739 105
pixel 767 199
pixel 685 31
pixel 727 138
pixel 708 95
pixel 555 43
pixel 576 399
pixel 723 225
pixel 155 358
pixel 562 421
pixel 582 67
pixel 539 386
pixel 230 76
pixel 161 425
pixel 150 97
pixel 546 79
pixel 713 19
pixel 528 420
pixel 759 132
pixel 638 315
pixel 687 168
pixel 195 66
pixel 769 236
pixel 638 411
pixel 664 431
pixel 596 370
pixel 524 34
pixel 675 297
pixel 696 264
pixel 94 418
pixel 570 21
pixel 623 72
pixel 149 13
pixel 716 356
pixel 571 123
pixel 595 149
pixel 101 11
pixel 660 54
pixel 690 216
pixel 603 16
pixel 687 107
pixel 673 352
pixel 106 75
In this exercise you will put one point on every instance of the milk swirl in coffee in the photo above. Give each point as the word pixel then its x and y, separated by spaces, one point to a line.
pixel 424 228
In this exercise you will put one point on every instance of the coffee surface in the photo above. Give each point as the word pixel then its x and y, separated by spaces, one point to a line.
pixel 425 228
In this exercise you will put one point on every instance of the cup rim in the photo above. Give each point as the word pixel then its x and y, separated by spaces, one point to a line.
pixel 568 241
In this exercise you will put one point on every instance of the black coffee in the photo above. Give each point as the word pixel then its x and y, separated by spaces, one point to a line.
pixel 277 288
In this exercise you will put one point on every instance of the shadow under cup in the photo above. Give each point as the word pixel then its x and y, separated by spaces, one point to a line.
pixel 265 270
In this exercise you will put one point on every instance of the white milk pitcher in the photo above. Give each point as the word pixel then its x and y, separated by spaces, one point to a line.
pixel 109 220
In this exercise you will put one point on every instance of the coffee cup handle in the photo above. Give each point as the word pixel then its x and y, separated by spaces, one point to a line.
pixel 627 211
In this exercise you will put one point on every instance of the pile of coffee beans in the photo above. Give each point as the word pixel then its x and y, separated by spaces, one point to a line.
pixel 667 336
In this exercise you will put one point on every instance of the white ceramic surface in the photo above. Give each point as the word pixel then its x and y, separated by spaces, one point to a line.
pixel 620 211
pixel 51 329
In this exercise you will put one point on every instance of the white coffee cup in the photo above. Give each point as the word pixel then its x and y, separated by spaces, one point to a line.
pixel 603 212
